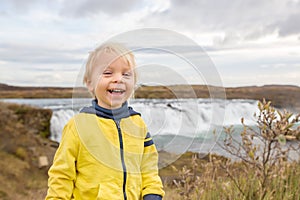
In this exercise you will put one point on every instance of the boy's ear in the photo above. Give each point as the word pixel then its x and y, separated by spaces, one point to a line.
pixel 90 86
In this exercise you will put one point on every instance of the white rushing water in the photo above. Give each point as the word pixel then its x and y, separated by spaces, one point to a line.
pixel 193 118
pixel 177 125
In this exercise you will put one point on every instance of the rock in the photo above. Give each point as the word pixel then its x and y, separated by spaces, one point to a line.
pixel 43 161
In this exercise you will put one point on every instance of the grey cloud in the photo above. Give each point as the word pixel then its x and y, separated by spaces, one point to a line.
pixel 83 8
pixel 3 13
pixel 71 8
pixel 228 39
pixel 19 53
pixel 22 3
pixel 244 20
pixel 216 14
pixel 176 48
pixel 290 26
pixel 19 6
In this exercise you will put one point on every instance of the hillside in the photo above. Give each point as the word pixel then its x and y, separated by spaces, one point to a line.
pixel 8 91
pixel 22 145
pixel 282 96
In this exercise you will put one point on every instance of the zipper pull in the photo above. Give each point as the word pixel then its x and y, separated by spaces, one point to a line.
pixel 117 123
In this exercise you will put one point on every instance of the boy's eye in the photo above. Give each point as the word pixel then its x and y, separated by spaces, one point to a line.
pixel 107 73
pixel 127 74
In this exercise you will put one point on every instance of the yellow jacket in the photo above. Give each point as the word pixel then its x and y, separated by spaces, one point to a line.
pixel 105 159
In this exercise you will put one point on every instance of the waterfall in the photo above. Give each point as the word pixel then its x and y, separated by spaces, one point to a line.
pixel 176 125
pixel 58 120
pixel 183 117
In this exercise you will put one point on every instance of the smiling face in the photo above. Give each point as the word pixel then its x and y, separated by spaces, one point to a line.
pixel 112 84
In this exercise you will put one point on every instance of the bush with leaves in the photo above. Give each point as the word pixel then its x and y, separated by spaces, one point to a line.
pixel 262 166
pixel 264 151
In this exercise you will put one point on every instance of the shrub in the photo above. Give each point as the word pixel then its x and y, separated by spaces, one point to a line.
pixel 263 168
pixel 264 152
pixel 21 153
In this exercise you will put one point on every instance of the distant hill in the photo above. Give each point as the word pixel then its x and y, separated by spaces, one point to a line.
pixel 282 96
pixel 10 87
pixel 8 91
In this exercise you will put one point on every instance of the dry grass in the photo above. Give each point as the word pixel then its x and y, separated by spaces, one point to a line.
pixel 214 183
pixel 263 171
pixel 21 144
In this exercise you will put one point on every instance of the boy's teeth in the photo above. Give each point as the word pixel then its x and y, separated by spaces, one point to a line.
pixel 116 90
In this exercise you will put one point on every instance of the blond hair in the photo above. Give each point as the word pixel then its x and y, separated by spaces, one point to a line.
pixel 110 48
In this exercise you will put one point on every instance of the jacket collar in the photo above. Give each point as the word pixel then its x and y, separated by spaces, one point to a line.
pixel 116 114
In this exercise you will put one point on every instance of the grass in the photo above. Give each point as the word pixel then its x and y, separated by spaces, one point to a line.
pixel 263 170
pixel 21 144
pixel 210 181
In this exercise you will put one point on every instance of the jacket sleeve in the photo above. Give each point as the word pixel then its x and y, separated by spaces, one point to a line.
pixel 62 173
pixel 151 182
pixel 152 197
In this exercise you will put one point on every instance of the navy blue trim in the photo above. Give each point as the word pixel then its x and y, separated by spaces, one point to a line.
pixel 148 136
pixel 119 113
pixel 152 197
pixel 148 143
pixel 122 159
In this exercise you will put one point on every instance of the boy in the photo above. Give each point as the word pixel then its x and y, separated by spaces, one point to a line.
pixel 106 151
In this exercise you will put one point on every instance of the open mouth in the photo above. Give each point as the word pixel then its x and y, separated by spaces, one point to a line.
pixel 116 91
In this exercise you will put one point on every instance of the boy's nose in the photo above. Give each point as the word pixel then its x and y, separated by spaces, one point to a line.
pixel 117 78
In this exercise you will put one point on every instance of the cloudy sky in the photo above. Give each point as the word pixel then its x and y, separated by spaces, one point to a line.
pixel 250 42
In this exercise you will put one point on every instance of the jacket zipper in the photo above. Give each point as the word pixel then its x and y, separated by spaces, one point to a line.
pixel 122 158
